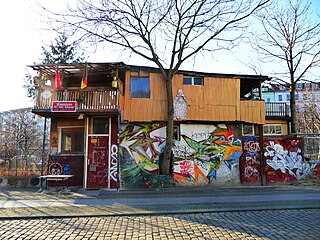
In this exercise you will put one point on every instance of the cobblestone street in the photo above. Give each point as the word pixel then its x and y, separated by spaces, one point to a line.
pixel 280 224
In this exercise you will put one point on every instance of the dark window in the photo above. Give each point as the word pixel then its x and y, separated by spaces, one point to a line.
pixel 187 81
pixel 196 81
pixel 100 125
pixel 279 98
pixel 72 140
pixel 140 87
pixel 288 97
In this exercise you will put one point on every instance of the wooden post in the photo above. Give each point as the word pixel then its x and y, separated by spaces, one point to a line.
pixel 262 160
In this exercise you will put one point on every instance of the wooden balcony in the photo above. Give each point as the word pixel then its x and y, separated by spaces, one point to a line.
pixel 88 99
pixel 278 110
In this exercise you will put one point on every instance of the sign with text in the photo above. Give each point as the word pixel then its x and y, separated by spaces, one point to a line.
pixel 64 106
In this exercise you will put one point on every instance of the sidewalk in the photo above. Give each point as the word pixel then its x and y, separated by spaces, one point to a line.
pixel 28 203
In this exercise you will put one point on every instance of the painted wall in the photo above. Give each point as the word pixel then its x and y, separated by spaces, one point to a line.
pixel 206 154
pixel 284 161
pixel 250 161
pixel 139 150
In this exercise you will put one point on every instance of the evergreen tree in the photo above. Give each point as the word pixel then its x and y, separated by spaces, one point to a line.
pixel 56 53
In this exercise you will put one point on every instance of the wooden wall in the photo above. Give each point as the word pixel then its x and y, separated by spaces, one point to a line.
pixel 218 100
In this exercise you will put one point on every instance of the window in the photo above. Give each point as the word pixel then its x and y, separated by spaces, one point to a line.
pixel 247 130
pixel 307 85
pixel 299 86
pixel 196 81
pixel 288 97
pixel 272 129
pixel 72 139
pixel 176 133
pixel 139 85
pixel 268 99
pixel 297 96
pixel 279 98
pixel 100 125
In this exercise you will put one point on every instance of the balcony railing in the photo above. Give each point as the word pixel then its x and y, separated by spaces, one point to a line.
pixel 275 109
pixel 87 99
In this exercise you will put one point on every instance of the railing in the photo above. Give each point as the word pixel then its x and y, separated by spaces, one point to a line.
pixel 277 109
pixel 87 99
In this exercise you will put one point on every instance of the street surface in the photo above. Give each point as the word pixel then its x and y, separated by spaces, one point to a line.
pixel 278 224
pixel 275 212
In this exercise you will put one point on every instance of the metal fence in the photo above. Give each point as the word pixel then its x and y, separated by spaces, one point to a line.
pixel 311 146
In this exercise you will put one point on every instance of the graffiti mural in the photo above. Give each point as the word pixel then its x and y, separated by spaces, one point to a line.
pixel 206 154
pixel 140 147
pixel 250 165
pixel 284 160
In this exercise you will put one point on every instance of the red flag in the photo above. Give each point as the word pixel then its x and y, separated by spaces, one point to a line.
pixel 57 80
pixel 84 78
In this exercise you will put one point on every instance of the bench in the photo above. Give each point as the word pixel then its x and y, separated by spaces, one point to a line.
pixel 56 178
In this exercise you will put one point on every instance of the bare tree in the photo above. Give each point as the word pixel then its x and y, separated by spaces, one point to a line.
pixel 165 32
pixel 20 135
pixel 289 38
pixel 308 111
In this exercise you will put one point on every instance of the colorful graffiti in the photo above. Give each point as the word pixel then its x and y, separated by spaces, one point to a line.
pixel 140 147
pixel 250 165
pixel 284 160
pixel 206 154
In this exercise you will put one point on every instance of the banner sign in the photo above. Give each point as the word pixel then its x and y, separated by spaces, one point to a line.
pixel 64 106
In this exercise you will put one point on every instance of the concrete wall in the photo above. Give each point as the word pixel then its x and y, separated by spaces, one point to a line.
pixel 204 155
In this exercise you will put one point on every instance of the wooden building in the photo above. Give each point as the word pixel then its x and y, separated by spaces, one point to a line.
pixel 111 133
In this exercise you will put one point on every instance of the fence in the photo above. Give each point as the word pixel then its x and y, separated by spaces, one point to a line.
pixel 311 146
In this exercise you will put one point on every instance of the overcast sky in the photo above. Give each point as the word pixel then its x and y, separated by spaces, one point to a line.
pixel 22 37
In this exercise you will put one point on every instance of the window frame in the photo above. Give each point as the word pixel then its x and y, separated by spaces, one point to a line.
pixel 140 76
pixel 272 125
pixel 100 134
pixel 247 134
pixel 60 132
pixel 193 80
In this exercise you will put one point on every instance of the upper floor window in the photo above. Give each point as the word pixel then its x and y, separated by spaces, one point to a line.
pixel 268 99
pixel 196 81
pixel 279 98
pixel 299 86
pixel 307 85
pixel 139 85
pixel 288 97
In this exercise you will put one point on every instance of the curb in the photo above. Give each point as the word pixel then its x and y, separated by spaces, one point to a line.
pixel 166 212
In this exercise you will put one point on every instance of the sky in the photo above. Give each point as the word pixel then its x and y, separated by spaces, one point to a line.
pixel 22 37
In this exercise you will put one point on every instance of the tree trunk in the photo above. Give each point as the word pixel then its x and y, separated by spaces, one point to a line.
pixel 166 160
pixel 293 106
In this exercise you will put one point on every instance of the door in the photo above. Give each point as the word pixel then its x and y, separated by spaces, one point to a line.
pixel 98 160
pixel 102 158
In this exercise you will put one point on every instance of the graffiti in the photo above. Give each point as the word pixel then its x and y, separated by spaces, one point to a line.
pixel 250 167
pixel 139 150
pixel 284 160
pixel 206 153
pixel 113 163
pixel 180 106
pixel 55 169
pixel 182 151
pixel 251 146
